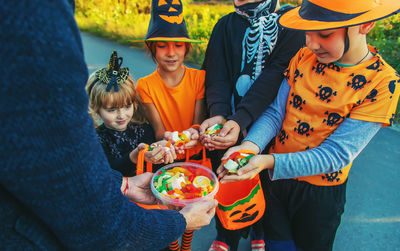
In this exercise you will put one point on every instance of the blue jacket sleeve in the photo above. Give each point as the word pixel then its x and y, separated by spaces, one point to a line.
pixel 51 161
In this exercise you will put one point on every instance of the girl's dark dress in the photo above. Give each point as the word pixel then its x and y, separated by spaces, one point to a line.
pixel 117 145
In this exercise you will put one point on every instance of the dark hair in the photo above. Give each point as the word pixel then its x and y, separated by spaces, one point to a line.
pixel 151 45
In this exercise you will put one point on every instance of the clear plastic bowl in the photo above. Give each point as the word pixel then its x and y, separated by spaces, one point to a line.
pixel 180 203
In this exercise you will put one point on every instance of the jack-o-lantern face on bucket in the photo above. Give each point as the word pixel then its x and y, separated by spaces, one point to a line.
pixel 241 203
pixel 246 215
pixel 170 11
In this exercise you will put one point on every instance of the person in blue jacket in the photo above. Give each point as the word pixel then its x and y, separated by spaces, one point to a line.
pixel 57 190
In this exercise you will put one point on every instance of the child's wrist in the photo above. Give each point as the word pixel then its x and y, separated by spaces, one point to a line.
pixel 269 161
pixel 134 155
pixel 250 146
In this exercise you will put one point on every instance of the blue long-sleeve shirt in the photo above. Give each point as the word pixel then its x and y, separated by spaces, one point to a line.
pixel 335 152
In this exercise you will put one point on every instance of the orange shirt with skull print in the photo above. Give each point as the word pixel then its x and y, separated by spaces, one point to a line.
pixel 323 95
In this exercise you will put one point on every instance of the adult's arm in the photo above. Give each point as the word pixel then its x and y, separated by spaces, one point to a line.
pixel 51 160
pixel 265 88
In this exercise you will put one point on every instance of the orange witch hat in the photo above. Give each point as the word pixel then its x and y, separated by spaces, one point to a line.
pixel 333 14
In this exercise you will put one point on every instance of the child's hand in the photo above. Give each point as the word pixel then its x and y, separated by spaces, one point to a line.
pixel 168 136
pixel 160 153
pixel 194 138
pixel 221 172
pixel 227 137
pixel 255 166
pixel 170 154
pixel 205 139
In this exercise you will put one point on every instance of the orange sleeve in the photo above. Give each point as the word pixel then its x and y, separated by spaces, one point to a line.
pixel 291 70
pixel 200 84
pixel 143 90
pixel 382 107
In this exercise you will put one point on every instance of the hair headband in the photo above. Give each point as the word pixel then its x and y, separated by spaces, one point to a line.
pixel 113 75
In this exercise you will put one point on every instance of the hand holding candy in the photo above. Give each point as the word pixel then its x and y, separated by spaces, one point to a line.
pixel 255 166
pixel 227 136
pixel 204 138
pixel 194 137
pixel 237 160
pixel 159 153
pixel 182 140
pixel 221 171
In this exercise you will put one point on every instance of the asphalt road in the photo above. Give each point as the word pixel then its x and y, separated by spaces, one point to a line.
pixel 371 221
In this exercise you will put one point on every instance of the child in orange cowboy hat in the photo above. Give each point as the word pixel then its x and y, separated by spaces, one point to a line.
pixel 337 94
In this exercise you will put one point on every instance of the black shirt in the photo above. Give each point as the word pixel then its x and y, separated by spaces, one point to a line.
pixel 223 63
pixel 117 145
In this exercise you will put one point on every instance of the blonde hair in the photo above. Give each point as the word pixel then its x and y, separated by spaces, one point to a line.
pixel 126 95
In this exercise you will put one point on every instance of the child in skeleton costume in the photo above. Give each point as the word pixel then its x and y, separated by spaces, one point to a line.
pixel 123 133
pixel 244 62
pixel 337 94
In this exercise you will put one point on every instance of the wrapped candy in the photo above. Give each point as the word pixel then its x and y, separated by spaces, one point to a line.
pixel 237 160
pixel 214 130
pixel 183 183
pixel 180 138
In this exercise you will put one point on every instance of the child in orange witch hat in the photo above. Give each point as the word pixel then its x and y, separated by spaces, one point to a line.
pixel 173 95
pixel 337 94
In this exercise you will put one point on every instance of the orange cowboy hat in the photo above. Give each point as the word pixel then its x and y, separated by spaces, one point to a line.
pixel 167 23
pixel 333 14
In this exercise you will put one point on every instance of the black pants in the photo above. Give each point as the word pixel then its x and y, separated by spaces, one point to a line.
pixel 307 214
pixel 232 237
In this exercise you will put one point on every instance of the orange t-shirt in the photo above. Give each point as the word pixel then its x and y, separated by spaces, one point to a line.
pixel 174 104
pixel 322 95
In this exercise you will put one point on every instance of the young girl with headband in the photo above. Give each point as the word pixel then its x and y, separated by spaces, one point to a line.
pixel 124 132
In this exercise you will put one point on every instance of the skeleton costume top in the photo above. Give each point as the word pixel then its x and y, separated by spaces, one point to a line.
pixel 254 52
